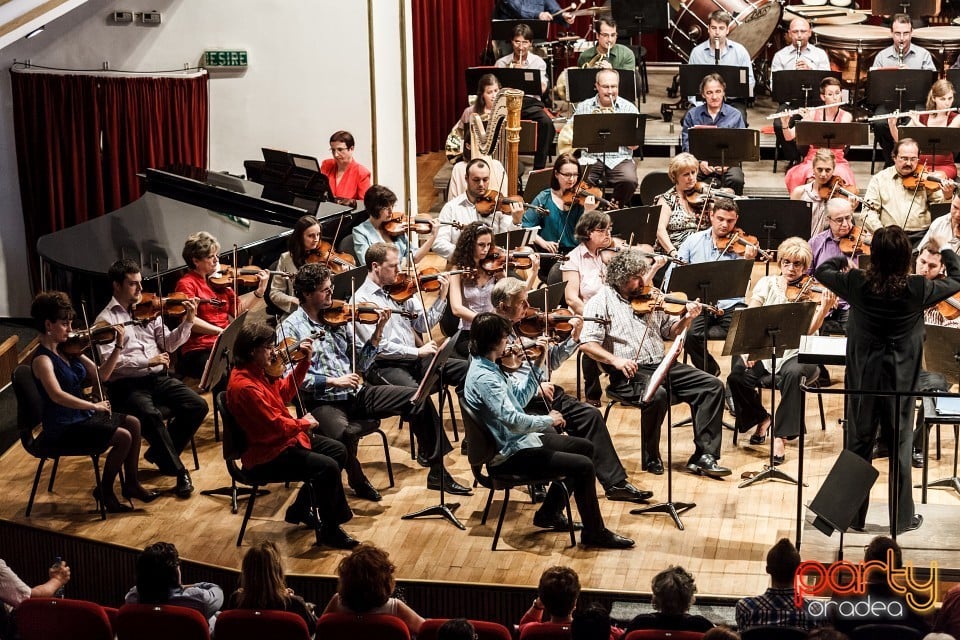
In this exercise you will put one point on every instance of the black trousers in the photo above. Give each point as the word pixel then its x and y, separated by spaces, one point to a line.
pixel 319 467
pixel 337 420
pixel 788 148
pixel 191 364
pixel 591 378
pixel 928 381
pixel 748 400
pixel 708 326
pixel 532 109
pixel 570 456
pixel 702 391
pixel 732 178
pixel 586 422
pixel 622 178
pixel 143 397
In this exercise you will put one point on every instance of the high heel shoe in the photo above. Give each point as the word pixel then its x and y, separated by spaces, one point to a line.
pixel 110 502
pixel 140 493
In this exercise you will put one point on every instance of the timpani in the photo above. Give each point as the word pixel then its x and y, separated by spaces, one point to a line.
pixel 852 48
pixel 943 43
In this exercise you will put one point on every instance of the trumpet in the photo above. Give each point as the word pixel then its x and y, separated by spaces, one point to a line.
pixel 793 112
pixel 898 114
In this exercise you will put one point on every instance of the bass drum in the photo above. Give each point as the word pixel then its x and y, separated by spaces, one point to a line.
pixel 753 24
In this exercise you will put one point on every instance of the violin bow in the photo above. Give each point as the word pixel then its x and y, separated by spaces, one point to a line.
pixel 296 386
pixel 353 320
pixel 163 327
pixel 546 328
pixel 236 274
pixel 96 368
pixel 333 242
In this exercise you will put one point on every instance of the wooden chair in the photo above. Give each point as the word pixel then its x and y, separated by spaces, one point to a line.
pixel 254 624
pixel 45 618
pixel 349 626
pixel 160 622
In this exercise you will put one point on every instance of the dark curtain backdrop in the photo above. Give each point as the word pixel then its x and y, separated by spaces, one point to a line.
pixel 82 139
pixel 448 36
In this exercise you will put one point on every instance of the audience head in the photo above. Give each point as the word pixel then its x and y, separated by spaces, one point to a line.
pixel 261 578
pixel 590 623
pixel 826 633
pixel 198 248
pixel 305 236
pixel 365 578
pixel 879 548
pixel 51 307
pixel 456 629
pixel 487 331
pixel 673 590
pixel 158 571
pixel 252 337
pixel 379 201
pixel 626 270
pixel 721 633
pixel 782 562
pixel 558 591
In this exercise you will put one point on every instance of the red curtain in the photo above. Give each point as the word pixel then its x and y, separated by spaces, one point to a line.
pixel 82 139
pixel 449 36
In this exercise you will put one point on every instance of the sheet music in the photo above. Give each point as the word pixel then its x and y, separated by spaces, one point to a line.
pixel 661 371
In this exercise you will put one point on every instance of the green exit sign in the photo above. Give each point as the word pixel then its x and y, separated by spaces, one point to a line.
pixel 230 58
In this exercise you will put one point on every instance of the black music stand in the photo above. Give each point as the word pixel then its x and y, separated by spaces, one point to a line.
pixel 605 132
pixel 913 8
pixel 947 138
pixel 724 147
pixel 636 225
pixel 800 86
pixel 526 80
pixel 582 84
pixel 430 380
pixel 737 79
pixel 638 16
pixel 900 87
pixel 953 75
pixel 774 220
pixel 510 240
pixel 503 29
pixel 662 374
pixel 831 135
pixel 218 364
pixel 554 296
pixel 763 332
pixel 941 353
pixel 344 284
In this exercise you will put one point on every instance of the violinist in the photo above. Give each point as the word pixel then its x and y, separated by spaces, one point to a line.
pixel 463 209
pixel 946 226
pixel 470 292
pixel 349 180
pixel 281 446
pixel 702 247
pixel 908 208
pixel 140 384
pixel 818 188
pixel 305 239
pixel 714 112
pixel 557 227
pixel 939 98
pixel 69 419
pixel 333 390
pixel 631 347
pixel 200 253
pixel 825 246
pixel 379 202
pixel 746 376
pixel 801 173
pixel 681 208
pixel 614 168
pixel 509 299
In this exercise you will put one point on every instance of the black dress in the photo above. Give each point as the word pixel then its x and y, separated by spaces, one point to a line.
pixel 884 350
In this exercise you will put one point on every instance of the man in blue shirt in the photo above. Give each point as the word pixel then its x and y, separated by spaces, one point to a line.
pixel 717 49
pixel 714 112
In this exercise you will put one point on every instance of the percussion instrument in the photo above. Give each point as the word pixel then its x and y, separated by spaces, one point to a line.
pixel 851 49
pixel 942 42
pixel 753 23
pixel 828 17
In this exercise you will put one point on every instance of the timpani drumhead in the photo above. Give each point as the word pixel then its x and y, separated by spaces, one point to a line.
pixel 851 37
pixel 753 24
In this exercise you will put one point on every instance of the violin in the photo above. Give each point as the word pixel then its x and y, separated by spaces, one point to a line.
pixel 517 353
pixel 805 289
pixel 288 352
pixel 857 242
pixel 703 191
pixel 492 201
pixel 581 192
pixel 245 276
pixel 405 288
pixel 950 308
pixel 651 299
pixel 557 323
pixel 834 185
pixel 399 225
pixel 738 241
pixel 498 259
pixel 324 254
pixel 99 334
pixel 340 313
pixel 931 180
pixel 151 305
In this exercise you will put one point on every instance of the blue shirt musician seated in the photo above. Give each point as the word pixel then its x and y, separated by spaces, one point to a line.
pixel 714 112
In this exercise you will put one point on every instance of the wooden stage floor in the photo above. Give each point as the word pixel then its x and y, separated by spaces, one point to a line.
pixel 724 542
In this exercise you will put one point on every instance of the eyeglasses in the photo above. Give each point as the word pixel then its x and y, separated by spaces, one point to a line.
pixel 570 176
pixel 908 158
pixel 328 291
pixel 841 220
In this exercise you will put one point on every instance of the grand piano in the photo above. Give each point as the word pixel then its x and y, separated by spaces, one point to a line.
pixel 152 229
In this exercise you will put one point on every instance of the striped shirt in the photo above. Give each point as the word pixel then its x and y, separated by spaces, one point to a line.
pixel 626 329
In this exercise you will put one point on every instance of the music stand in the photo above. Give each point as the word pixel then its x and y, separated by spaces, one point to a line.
pixel 832 134
pixel 913 8
pixel 736 78
pixel 604 133
pixel 801 86
pixel 218 364
pixel 344 284
pixel 902 87
pixel 554 295
pixel 724 147
pixel 526 80
pixel 941 353
pixel 636 225
pixel 430 380
pixel 774 220
pixel 662 373
pixel 953 75
pixel 947 138
pixel 582 84
pixel 763 332
pixel 510 240
pixel 503 29
pixel 634 17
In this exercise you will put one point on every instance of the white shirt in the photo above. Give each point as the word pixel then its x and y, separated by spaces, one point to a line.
pixel 786 58
pixel 612 158
pixel 140 342
pixel 461 210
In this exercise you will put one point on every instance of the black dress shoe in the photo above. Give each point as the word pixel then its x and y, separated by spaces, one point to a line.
pixel 366 491
pixel 538 492
pixel 307 517
pixel 655 467
pixel 758 439
pixel 449 484
pixel 881 451
pixel 184 484
pixel 706 465
pixel 110 502
pixel 916 459
pixel 331 535
pixel 165 470
pixel 556 522
pixel 628 493
pixel 915 523
pixel 606 539
pixel 140 493
pixel 422 461
pixel 778 460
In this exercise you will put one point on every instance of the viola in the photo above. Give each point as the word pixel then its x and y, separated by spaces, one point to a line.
pixel 557 323
pixel 857 242
pixel 738 241
pixel 519 352
pixel 405 287
pixel 245 276
pixel 341 313
pixel 324 254
pixel 651 299
pixel 835 185
pixel 493 201
pixel 805 289
pixel 399 225
pixel 288 352
pixel 151 305
pixel 498 259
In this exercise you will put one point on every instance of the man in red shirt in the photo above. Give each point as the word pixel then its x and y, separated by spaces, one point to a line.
pixel 279 446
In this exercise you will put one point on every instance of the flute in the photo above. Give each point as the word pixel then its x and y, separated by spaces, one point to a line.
pixel 793 112
pixel 898 114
